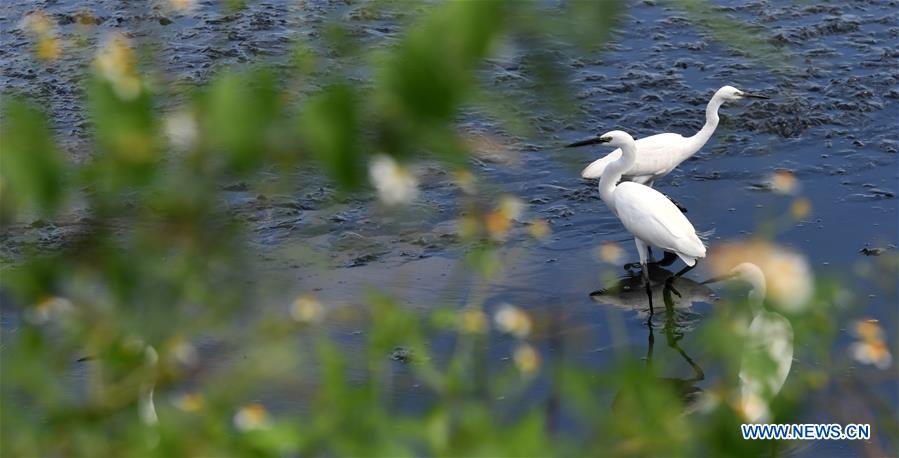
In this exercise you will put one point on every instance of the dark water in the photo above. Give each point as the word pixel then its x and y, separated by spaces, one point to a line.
pixel 831 121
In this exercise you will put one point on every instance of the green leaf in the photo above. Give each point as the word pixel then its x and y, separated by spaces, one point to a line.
pixel 31 167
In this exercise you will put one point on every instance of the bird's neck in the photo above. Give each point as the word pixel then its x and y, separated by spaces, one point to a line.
pixel 613 173
pixel 711 123
pixel 757 294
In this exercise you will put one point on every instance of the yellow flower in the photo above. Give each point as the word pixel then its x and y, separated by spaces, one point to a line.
pixel 871 348
pixel 784 182
pixel 38 23
pixel 307 309
pixel 526 358
pixel 183 351
pixel 499 221
pixel 465 180
pixel 43 29
pixel 539 229
pixel 48 48
pixel 474 321
pixel 49 309
pixel 609 252
pixel 251 417
pixel 190 402
pixel 183 6
pixel 512 320
pixel 116 62
pixel 801 208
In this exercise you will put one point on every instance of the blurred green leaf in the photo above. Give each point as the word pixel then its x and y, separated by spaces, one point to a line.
pixel 330 129
pixel 32 175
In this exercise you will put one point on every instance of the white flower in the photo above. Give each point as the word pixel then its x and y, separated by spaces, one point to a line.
pixel 251 417
pixel 513 320
pixel 307 309
pixel 394 183
pixel 181 130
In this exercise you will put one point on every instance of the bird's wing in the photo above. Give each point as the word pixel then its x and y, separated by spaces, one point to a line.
pixel 651 217
pixel 597 167
pixel 656 155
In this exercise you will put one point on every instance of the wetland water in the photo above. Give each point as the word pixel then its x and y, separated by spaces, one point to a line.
pixel 831 121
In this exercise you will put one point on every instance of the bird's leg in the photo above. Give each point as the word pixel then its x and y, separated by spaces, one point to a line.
pixel 649 258
pixel 668 259
pixel 670 280
pixel 641 250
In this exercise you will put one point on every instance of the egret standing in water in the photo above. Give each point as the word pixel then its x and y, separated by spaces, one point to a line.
pixel 658 155
pixel 646 213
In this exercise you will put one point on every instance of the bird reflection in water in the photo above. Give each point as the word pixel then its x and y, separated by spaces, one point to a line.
pixel 629 293
pixel 767 348
pixel 678 296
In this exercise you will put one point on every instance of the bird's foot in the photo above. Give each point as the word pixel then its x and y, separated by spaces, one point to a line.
pixel 669 285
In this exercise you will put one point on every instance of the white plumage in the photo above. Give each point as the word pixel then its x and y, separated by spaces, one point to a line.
pixel 646 213
pixel 653 219
pixel 658 155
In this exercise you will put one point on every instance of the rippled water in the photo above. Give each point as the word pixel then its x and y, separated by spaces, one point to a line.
pixel 832 121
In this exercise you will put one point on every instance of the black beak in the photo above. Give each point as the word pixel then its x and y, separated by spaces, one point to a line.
pixel 589 141
pixel 719 279
pixel 749 95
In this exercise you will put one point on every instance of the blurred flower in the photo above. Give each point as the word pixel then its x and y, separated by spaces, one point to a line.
pixel 43 29
pixel 48 48
pixel 38 23
pixel 784 182
pixel 871 348
pixel 500 220
pixel 468 226
pixel 609 252
pixel 789 278
pixel 474 321
pixel 526 358
pixel 307 309
pixel 513 320
pixel 394 183
pixel 251 417
pixel 539 229
pixel 753 407
pixel 183 6
pixel 183 351
pixel 190 402
pixel 116 62
pixel 801 208
pixel 465 180
pixel 181 130
pixel 49 309
pixel 510 206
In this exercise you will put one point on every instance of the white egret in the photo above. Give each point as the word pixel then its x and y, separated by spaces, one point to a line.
pixel 646 213
pixel 767 349
pixel 658 155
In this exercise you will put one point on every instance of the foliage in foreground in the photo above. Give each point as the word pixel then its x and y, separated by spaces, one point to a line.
pixel 116 336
